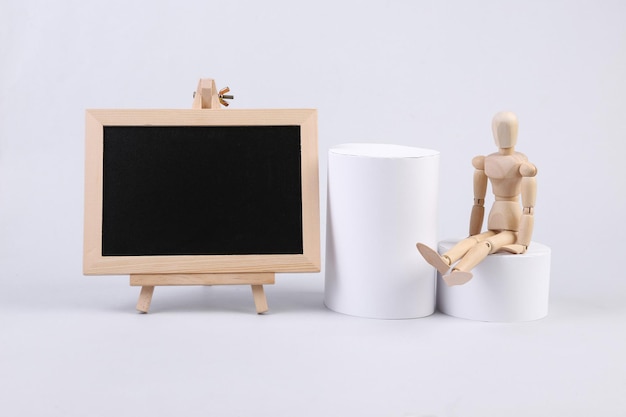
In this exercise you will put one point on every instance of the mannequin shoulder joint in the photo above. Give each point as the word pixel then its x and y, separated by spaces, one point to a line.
pixel 479 162
pixel 527 169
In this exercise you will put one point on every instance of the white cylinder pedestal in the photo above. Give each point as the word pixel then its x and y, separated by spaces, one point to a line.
pixel 382 199
pixel 504 288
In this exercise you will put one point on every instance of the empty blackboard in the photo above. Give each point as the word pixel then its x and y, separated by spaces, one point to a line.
pixel 201 191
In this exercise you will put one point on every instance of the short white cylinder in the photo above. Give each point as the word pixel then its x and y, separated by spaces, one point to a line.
pixel 504 288
pixel 382 199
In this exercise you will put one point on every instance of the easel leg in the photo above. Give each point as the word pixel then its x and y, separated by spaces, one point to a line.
pixel 145 297
pixel 259 299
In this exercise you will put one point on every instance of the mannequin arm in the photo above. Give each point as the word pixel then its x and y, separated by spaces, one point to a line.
pixel 527 221
pixel 480 190
pixel 529 195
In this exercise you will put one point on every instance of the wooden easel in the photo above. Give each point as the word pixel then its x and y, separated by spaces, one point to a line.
pixel 206 97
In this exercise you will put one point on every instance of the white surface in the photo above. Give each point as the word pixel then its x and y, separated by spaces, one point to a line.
pixel 381 150
pixel 429 74
pixel 504 288
pixel 377 208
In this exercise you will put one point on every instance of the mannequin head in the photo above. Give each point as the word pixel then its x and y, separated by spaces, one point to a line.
pixel 504 127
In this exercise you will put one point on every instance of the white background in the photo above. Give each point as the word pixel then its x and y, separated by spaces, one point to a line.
pixel 419 73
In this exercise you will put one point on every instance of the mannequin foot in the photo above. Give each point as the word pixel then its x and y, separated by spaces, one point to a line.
pixel 433 258
pixel 457 278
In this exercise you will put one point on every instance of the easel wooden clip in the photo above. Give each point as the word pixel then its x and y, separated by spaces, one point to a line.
pixel 206 96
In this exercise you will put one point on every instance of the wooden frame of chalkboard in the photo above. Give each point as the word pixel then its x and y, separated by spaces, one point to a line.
pixel 121 142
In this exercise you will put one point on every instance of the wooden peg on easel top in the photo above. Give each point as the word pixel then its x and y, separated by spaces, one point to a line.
pixel 207 96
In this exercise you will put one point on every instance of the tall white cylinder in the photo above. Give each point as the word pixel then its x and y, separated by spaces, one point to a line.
pixel 382 200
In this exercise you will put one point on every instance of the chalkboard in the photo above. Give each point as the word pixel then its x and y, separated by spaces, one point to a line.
pixel 201 191
pixel 198 190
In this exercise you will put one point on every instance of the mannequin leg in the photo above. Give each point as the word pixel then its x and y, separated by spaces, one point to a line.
pixel 459 250
pixel 443 262
pixel 461 272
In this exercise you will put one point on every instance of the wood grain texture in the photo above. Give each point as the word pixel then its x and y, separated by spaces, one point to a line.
pixel 201 279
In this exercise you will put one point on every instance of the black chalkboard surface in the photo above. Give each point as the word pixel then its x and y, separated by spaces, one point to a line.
pixel 201 191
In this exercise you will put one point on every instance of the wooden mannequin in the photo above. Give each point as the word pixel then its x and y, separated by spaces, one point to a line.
pixel 509 226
